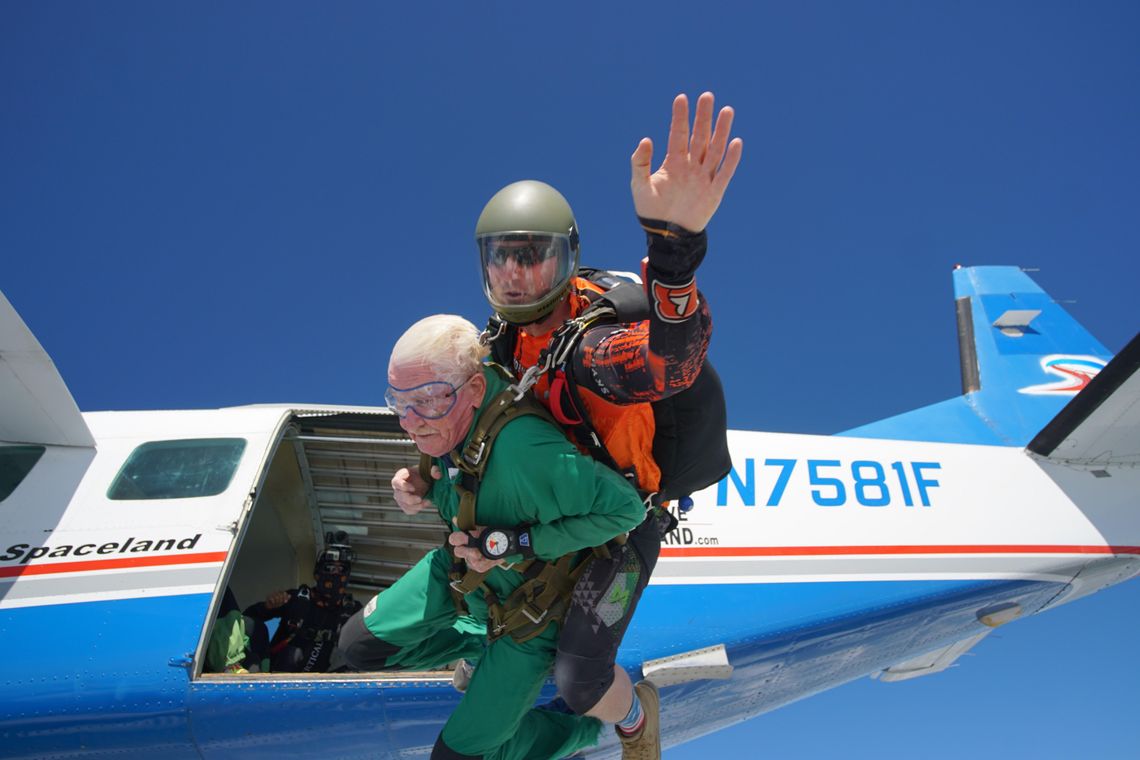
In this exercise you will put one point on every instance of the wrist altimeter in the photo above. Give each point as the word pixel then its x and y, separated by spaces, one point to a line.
pixel 500 543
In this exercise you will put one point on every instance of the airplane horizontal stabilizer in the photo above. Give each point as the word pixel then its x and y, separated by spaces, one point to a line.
pixel 35 404
pixel 1100 427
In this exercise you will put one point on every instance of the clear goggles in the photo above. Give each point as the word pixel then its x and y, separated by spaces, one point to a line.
pixel 513 266
pixel 431 401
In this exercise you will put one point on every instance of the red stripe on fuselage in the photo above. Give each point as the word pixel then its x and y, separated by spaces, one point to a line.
pixel 118 563
pixel 820 551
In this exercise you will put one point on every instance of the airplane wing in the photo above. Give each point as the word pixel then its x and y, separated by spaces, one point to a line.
pixel 35 404
pixel 1101 425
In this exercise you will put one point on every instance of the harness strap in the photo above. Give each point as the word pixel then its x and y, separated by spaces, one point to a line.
pixel 425 469
pixel 466 581
pixel 468 489
pixel 472 463
pixel 586 435
pixel 503 408
pixel 540 600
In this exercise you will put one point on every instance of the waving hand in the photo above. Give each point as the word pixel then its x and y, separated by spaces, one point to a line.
pixel 688 186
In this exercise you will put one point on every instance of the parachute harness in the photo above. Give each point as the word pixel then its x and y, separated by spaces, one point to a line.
pixel 544 596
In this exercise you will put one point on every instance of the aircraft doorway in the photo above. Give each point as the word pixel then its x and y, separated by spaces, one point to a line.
pixel 329 473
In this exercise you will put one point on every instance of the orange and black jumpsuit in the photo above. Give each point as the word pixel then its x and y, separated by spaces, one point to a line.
pixel 618 369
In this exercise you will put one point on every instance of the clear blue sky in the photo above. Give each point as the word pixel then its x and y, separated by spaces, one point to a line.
pixel 215 203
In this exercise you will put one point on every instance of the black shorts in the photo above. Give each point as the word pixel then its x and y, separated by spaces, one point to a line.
pixel 604 601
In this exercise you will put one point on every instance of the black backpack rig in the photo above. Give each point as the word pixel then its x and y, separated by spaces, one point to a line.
pixel 690 444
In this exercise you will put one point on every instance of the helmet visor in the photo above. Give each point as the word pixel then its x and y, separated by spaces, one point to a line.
pixel 520 269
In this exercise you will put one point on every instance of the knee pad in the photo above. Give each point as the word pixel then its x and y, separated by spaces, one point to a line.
pixel 360 649
pixel 582 681
pixel 443 752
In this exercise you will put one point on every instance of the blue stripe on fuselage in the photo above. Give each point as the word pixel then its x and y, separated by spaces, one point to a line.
pixel 98 675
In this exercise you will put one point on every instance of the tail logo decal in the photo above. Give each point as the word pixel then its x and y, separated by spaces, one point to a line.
pixel 1075 373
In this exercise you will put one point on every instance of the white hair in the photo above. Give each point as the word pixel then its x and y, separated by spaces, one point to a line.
pixel 447 343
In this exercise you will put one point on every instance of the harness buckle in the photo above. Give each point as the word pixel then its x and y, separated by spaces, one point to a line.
pixel 458 587
pixel 526 610
pixel 530 377
pixel 473 459
pixel 486 338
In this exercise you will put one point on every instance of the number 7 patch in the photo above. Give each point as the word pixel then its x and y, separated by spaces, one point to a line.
pixel 675 303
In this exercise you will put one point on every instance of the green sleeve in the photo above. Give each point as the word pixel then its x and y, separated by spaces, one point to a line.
pixel 570 501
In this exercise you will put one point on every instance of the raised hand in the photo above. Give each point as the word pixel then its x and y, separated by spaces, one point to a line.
pixel 688 186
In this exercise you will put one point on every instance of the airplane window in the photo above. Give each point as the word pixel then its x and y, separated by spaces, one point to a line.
pixel 15 464
pixel 178 469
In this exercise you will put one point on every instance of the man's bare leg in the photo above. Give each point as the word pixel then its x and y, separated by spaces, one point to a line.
pixel 615 703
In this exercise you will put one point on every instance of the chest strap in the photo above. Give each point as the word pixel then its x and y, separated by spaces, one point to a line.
pixel 472 464
pixel 473 458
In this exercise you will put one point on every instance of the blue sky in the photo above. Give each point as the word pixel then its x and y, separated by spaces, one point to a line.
pixel 225 203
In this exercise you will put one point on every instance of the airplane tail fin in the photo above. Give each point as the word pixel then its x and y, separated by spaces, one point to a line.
pixel 1010 332
pixel 1022 356
pixel 1022 359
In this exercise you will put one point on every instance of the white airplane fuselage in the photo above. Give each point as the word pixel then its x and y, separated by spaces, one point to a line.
pixel 890 550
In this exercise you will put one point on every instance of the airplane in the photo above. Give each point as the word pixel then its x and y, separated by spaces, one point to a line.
pixel 888 550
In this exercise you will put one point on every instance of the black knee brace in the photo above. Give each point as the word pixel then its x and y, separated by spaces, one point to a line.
pixel 582 681
pixel 443 752
pixel 360 649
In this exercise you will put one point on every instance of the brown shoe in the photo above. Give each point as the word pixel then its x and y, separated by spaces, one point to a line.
pixel 646 743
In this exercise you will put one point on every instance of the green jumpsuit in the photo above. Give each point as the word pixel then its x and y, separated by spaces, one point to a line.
pixel 534 477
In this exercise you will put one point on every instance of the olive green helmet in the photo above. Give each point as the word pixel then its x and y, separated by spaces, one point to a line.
pixel 528 250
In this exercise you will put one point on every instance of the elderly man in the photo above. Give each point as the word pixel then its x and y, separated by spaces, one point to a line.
pixel 540 507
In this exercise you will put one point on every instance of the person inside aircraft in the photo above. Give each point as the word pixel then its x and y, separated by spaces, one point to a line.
pixel 601 391
pixel 525 509
pixel 311 618
pixel 236 642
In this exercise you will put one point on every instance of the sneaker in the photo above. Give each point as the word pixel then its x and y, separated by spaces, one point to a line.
pixel 461 678
pixel 646 743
